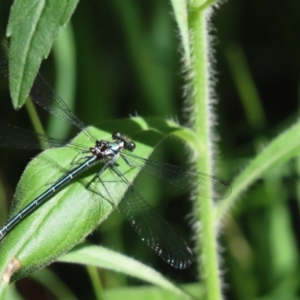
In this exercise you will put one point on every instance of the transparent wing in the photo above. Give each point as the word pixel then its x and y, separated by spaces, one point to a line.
pixel 153 229
pixel 43 95
pixel 16 137
pixel 185 179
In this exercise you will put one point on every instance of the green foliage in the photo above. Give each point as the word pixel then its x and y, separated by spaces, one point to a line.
pixel 33 27
pixel 38 243
pixel 110 260
pixel 121 57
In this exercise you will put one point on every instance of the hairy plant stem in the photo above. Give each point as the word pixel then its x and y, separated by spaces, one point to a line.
pixel 201 117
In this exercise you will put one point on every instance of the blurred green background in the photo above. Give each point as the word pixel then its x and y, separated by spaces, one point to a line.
pixel 126 61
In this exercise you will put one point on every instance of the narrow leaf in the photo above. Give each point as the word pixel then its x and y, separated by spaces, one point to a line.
pixel 279 151
pixel 110 260
pixel 181 17
pixel 33 27
pixel 73 212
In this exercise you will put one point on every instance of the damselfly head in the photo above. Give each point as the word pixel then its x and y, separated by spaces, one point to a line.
pixel 128 145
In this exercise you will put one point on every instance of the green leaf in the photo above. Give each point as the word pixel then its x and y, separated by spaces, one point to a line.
pixel 64 54
pixel 279 151
pixel 151 293
pixel 110 260
pixel 181 16
pixel 33 27
pixel 73 212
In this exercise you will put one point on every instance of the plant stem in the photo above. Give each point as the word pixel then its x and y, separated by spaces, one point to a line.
pixel 201 117
pixel 95 280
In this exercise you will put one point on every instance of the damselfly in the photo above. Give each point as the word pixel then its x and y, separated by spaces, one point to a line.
pixel 151 227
